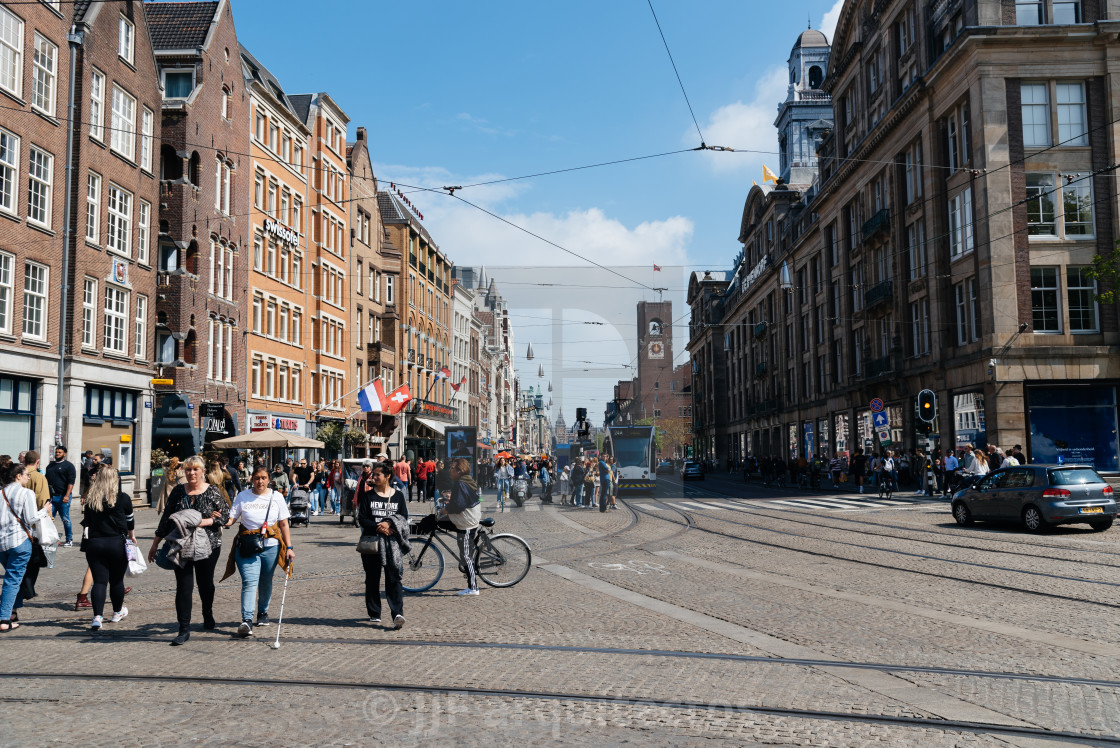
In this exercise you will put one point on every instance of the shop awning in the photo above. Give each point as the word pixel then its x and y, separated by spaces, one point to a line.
pixel 436 426
pixel 266 439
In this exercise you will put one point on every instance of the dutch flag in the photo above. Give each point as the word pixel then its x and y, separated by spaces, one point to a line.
pixel 443 373
pixel 372 398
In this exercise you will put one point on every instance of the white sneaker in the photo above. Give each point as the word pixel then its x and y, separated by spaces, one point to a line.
pixel 96 624
pixel 119 615
pixel 398 622
pixel 468 592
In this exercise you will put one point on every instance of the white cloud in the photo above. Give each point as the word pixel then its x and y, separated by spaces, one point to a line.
pixel 828 23
pixel 470 236
pixel 748 127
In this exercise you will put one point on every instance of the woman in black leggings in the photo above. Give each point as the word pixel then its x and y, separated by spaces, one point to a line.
pixel 204 498
pixel 107 519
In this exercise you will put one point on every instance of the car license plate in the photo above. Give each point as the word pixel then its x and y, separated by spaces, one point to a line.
pixel 1092 510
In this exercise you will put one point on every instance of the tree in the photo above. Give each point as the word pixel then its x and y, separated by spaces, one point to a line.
pixel 1106 271
pixel 669 433
pixel 333 433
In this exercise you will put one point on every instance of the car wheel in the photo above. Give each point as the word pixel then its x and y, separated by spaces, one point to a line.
pixel 961 514
pixel 1101 525
pixel 1033 519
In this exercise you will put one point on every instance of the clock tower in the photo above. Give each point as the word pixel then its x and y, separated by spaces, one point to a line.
pixel 655 357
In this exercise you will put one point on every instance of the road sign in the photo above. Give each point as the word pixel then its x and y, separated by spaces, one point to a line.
pixel 880 420
pixel 163 381
pixel 885 437
pixel 877 405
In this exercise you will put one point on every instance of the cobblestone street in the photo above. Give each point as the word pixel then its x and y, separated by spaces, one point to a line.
pixel 706 613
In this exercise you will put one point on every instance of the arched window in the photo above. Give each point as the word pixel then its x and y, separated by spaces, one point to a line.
pixel 170 165
pixel 195 172
pixel 816 76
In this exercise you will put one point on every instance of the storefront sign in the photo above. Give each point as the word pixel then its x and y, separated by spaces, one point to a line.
pixel 285 424
pixel 427 408
pixel 281 232
pixel 215 421
pixel 259 423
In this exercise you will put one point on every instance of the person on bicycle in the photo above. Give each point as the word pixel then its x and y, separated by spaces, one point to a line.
pixel 464 510
pixel 886 472
pixel 383 513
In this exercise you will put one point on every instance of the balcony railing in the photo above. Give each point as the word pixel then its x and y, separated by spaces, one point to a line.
pixel 880 293
pixel 881 221
pixel 877 367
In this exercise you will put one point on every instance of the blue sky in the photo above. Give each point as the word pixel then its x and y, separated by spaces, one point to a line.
pixel 458 93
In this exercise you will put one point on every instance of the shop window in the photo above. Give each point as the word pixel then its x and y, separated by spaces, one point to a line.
pixel 1074 425
pixel 17 415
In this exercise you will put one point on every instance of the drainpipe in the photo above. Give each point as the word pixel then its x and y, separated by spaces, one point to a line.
pixel 76 39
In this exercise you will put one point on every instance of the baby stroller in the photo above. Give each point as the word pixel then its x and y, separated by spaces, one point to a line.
pixel 299 505
pixel 519 491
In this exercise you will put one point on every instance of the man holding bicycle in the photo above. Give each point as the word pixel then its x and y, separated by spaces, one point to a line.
pixel 464 509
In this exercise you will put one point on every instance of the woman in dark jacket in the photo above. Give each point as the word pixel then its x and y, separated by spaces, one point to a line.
pixel 204 498
pixel 107 519
pixel 382 512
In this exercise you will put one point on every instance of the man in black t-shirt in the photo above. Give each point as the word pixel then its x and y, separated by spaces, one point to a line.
pixel 302 474
pixel 61 477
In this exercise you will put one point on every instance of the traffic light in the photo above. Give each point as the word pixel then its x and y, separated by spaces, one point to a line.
pixel 581 414
pixel 927 406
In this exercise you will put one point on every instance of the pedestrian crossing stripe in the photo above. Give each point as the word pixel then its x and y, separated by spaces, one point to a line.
pixel 836 504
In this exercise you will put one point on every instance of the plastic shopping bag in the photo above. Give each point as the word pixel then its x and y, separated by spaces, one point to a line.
pixel 136 563
pixel 44 529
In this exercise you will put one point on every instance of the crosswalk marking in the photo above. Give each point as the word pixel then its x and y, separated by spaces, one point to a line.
pixel 837 504
pixel 816 502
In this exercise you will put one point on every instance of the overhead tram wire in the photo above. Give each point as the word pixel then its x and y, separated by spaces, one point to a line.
pixel 675 71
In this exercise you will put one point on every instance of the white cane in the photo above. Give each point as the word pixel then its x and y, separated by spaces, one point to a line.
pixel 283 598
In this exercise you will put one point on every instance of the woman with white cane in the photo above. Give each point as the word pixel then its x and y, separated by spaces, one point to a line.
pixel 263 541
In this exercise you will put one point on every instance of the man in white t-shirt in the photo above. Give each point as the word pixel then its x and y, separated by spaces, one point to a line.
pixel 260 510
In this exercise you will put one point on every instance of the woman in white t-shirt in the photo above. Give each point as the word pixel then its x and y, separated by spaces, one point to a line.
pixel 262 511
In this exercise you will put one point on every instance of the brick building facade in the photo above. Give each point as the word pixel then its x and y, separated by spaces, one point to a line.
pixel 203 218
pixel 95 273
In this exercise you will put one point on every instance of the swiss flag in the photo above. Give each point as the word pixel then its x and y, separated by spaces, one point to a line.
pixel 457 386
pixel 397 399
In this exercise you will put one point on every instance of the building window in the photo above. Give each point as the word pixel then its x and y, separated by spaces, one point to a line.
pixel 118 237
pixel 93 206
pixel 116 314
pixel 9 169
pixel 1067 11
pixel 256 377
pixel 147 120
pixel 125 39
pixel 227 100
pixel 1044 300
pixel 1082 294
pixel 11 52
pixel 89 313
pixel 913 160
pixel 960 224
pixel 229 273
pixel 7 291
pixel 1036 115
pixel 359 279
pixel 40 187
pixel 1029 13
pixel 1072 129
pixel 45 64
pixel 959 137
pixel 141 330
pixel 916 247
pixel 178 84
pixel 920 327
pixel 35 300
pixel 122 138
pixel 1041 215
pixel 145 229
pixel 389 289
pixel 1077 209
pixel 96 105
pixel 256 322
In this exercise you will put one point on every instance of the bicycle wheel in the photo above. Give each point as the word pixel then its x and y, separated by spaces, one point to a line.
pixel 502 560
pixel 422 566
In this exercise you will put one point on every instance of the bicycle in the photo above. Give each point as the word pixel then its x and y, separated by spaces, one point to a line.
pixel 503 492
pixel 501 560
pixel 886 486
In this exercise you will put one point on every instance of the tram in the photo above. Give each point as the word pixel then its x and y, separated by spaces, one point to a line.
pixel 635 454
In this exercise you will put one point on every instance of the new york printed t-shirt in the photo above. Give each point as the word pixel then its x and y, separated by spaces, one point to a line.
pixel 251 509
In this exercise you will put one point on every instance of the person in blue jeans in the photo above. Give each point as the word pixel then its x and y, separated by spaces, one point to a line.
pixel 604 482
pixel 17 512
pixel 261 511
pixel 61 477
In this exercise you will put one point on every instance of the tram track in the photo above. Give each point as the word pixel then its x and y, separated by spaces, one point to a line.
pixel 625 652
pixel 863 522
pixel 876 564
pixel 287 683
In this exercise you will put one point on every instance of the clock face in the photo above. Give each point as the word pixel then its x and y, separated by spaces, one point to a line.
pixel 656 349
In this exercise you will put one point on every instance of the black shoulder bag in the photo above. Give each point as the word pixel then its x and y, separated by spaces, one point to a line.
pixel 253 542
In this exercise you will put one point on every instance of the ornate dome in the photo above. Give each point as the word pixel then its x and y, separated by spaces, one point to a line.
pixel 811 38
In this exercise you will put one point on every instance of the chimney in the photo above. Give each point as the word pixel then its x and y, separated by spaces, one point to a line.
pixel 361 133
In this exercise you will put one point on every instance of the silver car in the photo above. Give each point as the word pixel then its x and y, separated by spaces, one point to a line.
pixel 1039 496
